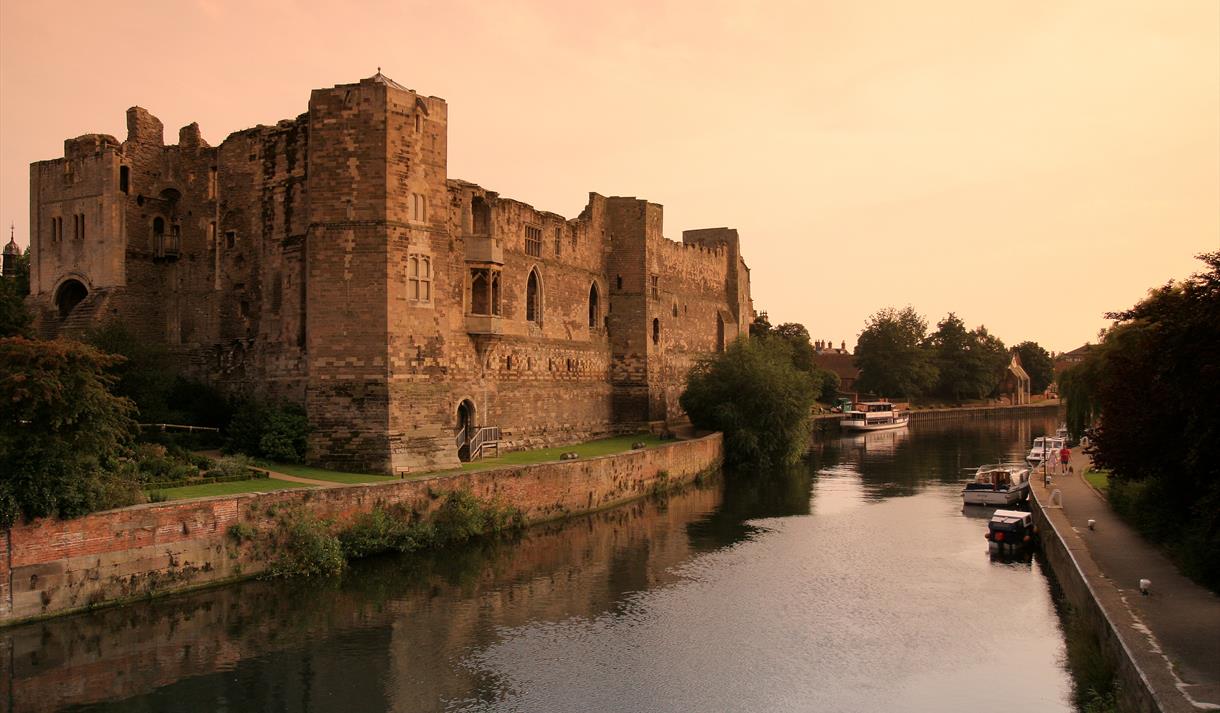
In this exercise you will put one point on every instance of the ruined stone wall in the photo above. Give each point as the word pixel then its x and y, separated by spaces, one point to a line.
pixel 57 566
pixel 296 276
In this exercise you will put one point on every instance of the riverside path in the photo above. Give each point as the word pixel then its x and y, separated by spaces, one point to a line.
pixel 1174 632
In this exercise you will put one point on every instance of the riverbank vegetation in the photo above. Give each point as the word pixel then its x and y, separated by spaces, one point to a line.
pixel 303 545
pixel 1146 396
pixel 754 394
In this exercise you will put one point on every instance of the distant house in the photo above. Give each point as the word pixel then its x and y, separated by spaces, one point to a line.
pixel 1014 385
pixel 842 363
pixel 1067 359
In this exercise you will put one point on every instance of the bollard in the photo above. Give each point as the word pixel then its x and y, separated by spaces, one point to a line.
pixel 1091 524
pixel 1145 586
pixel 1057 498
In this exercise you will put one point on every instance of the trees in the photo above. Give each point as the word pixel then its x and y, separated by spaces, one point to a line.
pixel 1152 385
pixel 969 363
pixel 891 355
pixel 14 318
pixel 63 435
pixel 1038 364
pixel 754 394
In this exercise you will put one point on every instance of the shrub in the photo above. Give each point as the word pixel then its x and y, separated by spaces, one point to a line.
pixel 233 467
pixel 284 435
pixel 240 532
pixel 279 433
pixel 304 547
pixel 463 516
pixel 385 531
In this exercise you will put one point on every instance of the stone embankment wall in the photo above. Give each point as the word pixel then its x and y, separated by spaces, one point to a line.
pixel 51 567
pixel 1100 607
pixel 946 414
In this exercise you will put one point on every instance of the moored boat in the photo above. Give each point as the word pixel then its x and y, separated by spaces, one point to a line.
pixel 998 484
pixel 1010 528
pixel 1045 446
pixel 874 416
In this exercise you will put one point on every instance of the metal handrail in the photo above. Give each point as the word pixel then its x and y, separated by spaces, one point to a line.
pixel 461 438
pixel 486 435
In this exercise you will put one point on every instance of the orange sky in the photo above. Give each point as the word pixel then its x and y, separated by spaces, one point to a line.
pixel 1029 165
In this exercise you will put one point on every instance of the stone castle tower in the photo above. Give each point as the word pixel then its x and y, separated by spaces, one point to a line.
pixel 330 260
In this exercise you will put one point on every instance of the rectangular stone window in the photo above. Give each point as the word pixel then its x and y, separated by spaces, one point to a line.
pixel 656 287
pixel 533 241
pixel 212 183
pixel 419 207
pixel 124 178
pixel 419 277
pixel 558 240
pixel 230 238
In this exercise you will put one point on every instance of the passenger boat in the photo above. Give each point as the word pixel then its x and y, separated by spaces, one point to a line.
pixel 874 416
pixel 1000 484
pixel 1045 446
pixel 1010 528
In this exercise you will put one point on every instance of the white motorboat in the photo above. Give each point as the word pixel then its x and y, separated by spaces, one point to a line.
pixel 998 484
pixel 1010 528
pixel 1045 446
pixel 874 416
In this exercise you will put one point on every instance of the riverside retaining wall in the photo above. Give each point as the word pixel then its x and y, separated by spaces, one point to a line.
pixel 50 567
pixel 1100 607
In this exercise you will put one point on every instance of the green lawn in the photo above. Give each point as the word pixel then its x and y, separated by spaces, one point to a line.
pixel 1099 479
pixel 592 449
pixel 333 476
pixel 258 485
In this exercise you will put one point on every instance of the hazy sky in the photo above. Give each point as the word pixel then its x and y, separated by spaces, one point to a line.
pixel 1028 164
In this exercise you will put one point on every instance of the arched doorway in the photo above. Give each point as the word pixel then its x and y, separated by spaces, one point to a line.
pixel 465 428
pixel 69 294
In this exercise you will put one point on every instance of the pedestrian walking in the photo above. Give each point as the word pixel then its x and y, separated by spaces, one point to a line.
pixel 1065 457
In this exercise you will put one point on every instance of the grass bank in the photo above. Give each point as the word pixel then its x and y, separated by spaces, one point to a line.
pixel 259 485
pixel 591 449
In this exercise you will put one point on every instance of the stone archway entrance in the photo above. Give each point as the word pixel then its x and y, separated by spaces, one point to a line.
pixel 465 428
pixel 70 294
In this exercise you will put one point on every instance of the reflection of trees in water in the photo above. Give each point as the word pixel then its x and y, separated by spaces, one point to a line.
pixel 938 452
pixel 752 496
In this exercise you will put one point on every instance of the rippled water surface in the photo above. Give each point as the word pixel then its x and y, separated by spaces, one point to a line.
pixel 855 583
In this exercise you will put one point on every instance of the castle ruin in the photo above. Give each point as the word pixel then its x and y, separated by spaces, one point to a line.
pixel 330 261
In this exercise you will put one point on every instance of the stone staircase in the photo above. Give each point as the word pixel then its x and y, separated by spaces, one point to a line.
pixel 81 319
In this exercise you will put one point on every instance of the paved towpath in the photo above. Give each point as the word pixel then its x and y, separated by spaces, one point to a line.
pixel 1182 618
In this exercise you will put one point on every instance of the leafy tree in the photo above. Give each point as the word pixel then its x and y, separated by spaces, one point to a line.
pixel 798 339
pixel 761 326
pixel 950 347
pixel 891 354
pixel 63 435
pixel 14 317
pixel 145 373
pixel 1038 364
pixel 989 358
pixel 1150 389
pixel 753 394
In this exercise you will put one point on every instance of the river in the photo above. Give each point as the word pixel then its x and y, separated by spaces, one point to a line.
pixel 852 583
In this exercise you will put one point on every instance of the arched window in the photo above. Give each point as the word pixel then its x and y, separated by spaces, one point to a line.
pixel 480 295
pixel 595 307
pixel 656 331
pixel 533 298
pixel 719 333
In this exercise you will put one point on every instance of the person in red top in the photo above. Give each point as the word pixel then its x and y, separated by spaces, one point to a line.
pixel 1065 455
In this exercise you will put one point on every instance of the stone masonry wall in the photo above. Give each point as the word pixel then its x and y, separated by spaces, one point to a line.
pixel 57 566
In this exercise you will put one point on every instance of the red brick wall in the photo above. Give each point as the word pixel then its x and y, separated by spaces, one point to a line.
pixel 56 566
